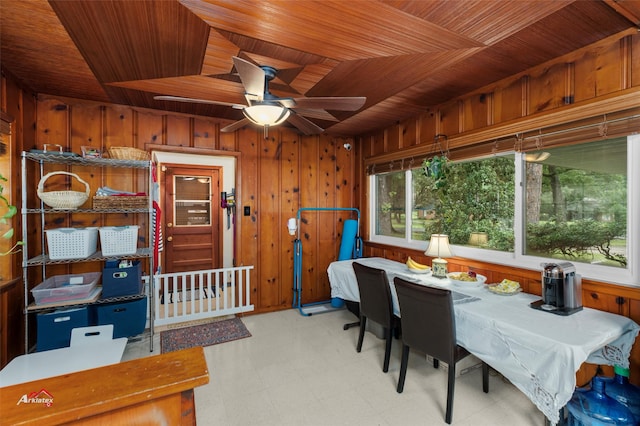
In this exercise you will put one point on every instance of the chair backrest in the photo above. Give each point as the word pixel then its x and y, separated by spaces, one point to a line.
pixel 88 335
pixel 428 321
pixel 375 294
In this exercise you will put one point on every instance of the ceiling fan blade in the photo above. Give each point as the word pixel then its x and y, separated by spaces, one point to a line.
pixel 304 125
pixel 331 103
pixel 235 126
pixel 195 100
pixel 253 79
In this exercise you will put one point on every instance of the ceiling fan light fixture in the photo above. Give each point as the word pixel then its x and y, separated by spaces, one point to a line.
pixel 266 114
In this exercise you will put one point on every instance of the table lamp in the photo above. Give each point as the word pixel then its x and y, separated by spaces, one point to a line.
pixel 439 248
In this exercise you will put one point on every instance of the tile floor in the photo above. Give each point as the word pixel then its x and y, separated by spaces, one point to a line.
pixel 297 370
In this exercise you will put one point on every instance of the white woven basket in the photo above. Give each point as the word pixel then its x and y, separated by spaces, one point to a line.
pixel 63 199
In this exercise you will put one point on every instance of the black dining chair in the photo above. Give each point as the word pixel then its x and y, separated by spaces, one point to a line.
pixel 376 305
pixel 428 325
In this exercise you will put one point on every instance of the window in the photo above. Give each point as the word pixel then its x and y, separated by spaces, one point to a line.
pixel 192 200
pixel 576 203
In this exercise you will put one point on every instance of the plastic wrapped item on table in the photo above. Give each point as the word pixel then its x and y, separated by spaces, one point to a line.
pixel 593 407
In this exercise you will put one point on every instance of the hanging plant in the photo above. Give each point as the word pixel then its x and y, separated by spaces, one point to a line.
pixel 435 167
pixel 4 219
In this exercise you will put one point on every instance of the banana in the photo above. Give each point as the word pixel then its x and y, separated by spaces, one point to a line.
pixel 415 265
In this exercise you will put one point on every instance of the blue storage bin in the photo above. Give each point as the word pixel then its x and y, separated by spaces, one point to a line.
pixel 54 328
pixel 128 318
pixel 117 282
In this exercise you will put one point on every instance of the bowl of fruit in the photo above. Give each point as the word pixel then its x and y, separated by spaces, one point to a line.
pixel 505 287
pixel 467 279
pixel 417 267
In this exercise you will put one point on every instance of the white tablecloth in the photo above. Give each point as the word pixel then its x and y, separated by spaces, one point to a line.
pixel 539 352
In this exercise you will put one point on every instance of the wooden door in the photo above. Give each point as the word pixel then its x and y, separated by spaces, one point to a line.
pixel 192 218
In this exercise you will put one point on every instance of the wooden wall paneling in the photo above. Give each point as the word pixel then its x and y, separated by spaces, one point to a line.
pixel 269 230
pixel 509 100
pixel 547 88
pixel 249 242
pixel 449 123
pixel 378 143
pixel 634 59
pixel 330 223
pixel 309 220
pixel 592 297
pixel 205 134
pixel 178 130
pixel 610 69
pixel 148 129
pixel 476 111
pixel 227 141
pixel 118 126
pixel 86 130
pixel 51 123
pixel 360 185
pixel 394 138
pixel 118 130
pixel 599 71
pixel 409 133
pixel 289 205
pixel 427 124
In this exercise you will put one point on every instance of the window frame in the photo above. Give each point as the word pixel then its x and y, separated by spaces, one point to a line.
pixel 625 276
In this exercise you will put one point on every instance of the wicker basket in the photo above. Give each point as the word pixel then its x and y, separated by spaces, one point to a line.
pixel 63 200
pixel 126 153
pixel 120 202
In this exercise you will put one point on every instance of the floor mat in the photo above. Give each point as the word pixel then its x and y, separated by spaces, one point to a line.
pixel 203 335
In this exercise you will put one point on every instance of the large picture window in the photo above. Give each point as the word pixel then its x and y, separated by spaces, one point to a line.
pixel 574 203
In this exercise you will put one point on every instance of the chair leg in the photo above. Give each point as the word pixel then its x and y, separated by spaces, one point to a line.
pixel 450 390
pixel 351 324
pixel 387 350
pixel 363 325
pixel 403 368
pixel 485 377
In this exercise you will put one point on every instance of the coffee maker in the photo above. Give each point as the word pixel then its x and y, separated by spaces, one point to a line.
pixel 561 289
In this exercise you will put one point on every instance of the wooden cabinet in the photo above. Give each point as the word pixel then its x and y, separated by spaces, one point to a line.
pixel 152 390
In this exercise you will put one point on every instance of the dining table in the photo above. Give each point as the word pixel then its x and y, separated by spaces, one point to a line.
pixel 537 351
pixel 55 362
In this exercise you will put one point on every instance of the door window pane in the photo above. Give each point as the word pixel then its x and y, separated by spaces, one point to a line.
pixel 192 200
pixel 576 202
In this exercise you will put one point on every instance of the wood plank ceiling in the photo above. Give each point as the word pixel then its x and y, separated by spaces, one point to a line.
pixel 403 56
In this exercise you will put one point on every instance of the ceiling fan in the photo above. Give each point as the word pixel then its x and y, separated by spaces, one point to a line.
pixel 265 109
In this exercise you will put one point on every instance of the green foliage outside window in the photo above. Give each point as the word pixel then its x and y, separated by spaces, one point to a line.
pixel 478 196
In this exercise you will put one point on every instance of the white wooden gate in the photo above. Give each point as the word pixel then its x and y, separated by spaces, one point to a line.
pixel 196 295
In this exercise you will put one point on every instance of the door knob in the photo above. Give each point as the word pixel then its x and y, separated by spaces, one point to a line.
pixel 169 238
pixel 169 225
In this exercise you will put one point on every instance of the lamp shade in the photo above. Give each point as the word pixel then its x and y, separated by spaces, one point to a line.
pixel 439 246
pixel 266 114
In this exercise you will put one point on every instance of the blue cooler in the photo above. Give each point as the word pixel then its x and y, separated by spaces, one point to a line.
pixel 54 328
